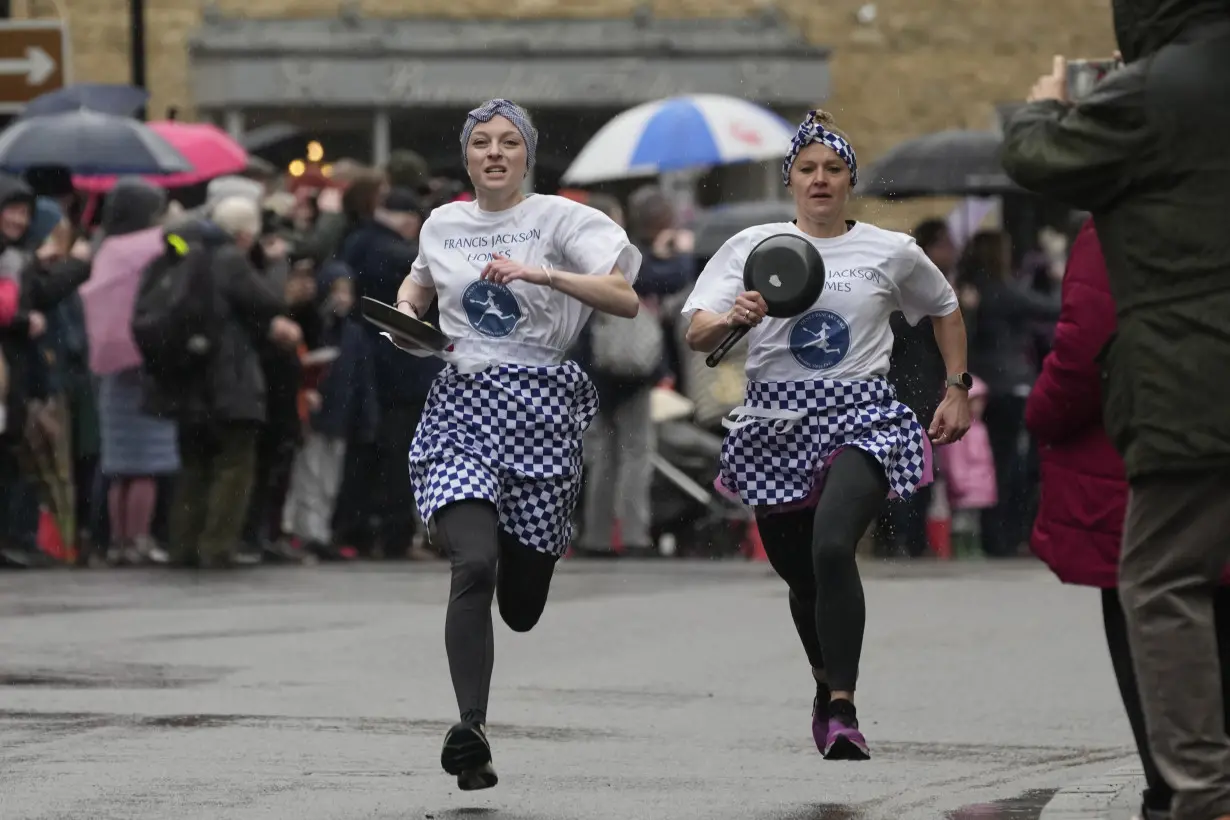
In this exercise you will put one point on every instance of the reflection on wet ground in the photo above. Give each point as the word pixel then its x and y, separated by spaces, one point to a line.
pixel 102 675
pixel 459 814
pixel 1027 806
pixel 664 693
pixel 821 811
pixel 364 726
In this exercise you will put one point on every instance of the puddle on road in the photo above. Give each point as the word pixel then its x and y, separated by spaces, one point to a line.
pixel 1027 806
pixel 478 813
pixel 822 811
pixel 25 609
pixel 611 696
pixel 113 676
pixel 998 753
pixel 260 632
pixel 368 726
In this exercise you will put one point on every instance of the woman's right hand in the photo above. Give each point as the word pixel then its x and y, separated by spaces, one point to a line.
pixel 749 310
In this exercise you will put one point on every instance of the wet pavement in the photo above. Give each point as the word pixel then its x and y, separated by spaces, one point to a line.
pixel 654 690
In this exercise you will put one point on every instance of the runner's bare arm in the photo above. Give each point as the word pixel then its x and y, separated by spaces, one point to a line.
pixel 707 330
pixel 609 294
pixel 952 417
pixel 413 294
pixel 950 339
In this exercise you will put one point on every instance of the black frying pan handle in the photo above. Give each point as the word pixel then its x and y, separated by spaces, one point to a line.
pixel 730 341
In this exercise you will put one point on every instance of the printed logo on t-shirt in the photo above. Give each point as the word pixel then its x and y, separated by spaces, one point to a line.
pixel 492 309
pixel 820 339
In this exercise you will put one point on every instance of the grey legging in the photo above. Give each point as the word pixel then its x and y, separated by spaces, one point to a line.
pixel 813 551
pixel 487 562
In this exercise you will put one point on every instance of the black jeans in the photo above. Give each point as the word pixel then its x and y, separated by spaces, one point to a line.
pixel 814 553
pixel 487 563
pixel 376 499
pixel 212 491
pixel 275 453
pixel 1159 792
pixel 1004 526
pixel 10 487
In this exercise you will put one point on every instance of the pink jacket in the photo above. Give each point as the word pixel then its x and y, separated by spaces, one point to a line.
pixel 109 296
pixel 970 464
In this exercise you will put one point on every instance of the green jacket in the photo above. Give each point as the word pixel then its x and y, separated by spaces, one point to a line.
pixel 1148 153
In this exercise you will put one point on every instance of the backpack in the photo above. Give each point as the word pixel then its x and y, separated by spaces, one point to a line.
pixel 177 317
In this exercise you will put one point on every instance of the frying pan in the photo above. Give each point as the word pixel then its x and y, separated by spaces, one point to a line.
pixel 404 329
pixel 788 272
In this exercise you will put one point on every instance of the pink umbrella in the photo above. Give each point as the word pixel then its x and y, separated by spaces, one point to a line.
pixel 211 151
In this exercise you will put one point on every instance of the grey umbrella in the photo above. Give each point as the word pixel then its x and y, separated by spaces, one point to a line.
pixel 109 98
pixel 274 139
pixel 946 163
pixel 88 143
pixel 715 225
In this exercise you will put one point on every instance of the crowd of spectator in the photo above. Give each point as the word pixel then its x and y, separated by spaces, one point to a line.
pixel 290 444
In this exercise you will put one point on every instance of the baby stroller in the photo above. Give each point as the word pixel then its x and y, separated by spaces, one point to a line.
pixel 690 518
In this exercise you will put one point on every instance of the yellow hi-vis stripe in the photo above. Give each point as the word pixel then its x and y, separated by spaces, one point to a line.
pixel 178 243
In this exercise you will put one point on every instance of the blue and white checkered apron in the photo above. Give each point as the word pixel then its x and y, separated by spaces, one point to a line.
pixel 511 435
pixel 781 439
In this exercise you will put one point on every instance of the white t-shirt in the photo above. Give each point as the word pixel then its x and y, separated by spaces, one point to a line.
pixel 845 335
pixel 519 323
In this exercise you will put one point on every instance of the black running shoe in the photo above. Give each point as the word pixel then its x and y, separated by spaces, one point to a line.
pixel 467 756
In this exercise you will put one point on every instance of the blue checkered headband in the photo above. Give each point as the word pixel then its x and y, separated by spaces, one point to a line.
pixel 509 111
pixel 812 130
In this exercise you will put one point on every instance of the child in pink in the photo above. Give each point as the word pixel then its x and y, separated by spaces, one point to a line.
pixel 971 477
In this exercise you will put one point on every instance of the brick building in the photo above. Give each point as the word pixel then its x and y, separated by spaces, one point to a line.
pixel 888 69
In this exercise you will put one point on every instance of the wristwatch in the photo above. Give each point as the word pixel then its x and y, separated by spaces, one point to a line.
pixel 963 380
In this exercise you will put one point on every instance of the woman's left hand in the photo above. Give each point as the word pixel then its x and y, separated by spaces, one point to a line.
pixel 951 420
pixel 1053 86
pixel 503 270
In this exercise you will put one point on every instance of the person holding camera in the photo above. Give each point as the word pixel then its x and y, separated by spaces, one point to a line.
pixel 1144 152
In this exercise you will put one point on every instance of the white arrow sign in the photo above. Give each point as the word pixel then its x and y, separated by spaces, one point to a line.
pixel 37 66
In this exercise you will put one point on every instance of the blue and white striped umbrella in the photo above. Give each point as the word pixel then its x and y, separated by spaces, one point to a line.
pixel 678 134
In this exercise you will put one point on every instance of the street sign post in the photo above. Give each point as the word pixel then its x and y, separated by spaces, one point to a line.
pixel 33 61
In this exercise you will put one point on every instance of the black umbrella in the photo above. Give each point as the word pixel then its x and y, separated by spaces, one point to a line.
pixel 946 163
pixel 88 143
pixel 107 98
pixel 715 225
pixel 258 167
pixel 277 136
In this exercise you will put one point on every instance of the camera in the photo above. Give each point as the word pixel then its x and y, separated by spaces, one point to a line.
pixel 1084 75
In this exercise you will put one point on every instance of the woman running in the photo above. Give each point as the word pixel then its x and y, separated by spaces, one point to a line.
pixel 821 440
pixel 496 461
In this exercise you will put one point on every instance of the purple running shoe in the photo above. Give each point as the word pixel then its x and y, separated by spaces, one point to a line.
pixel 820 718
pixel 843 740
